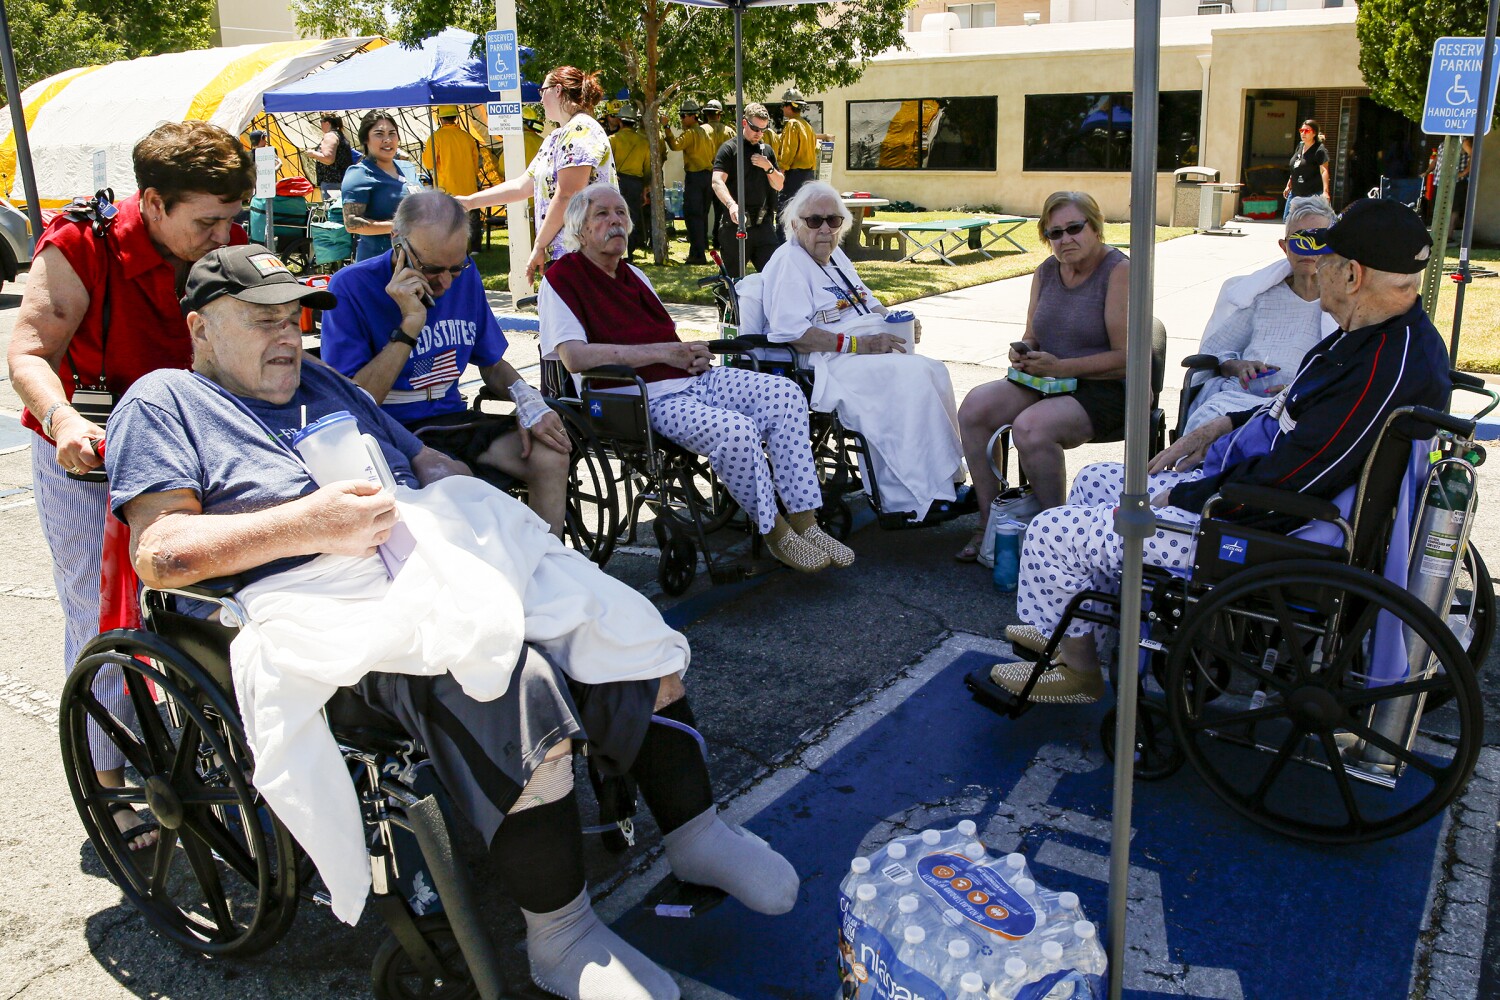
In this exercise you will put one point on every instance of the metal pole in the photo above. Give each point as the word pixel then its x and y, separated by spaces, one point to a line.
pixel 739 132
pixel 513 156
pixel 1471 202
pixel 1134 519
pixel 1442 212
pixel 18 129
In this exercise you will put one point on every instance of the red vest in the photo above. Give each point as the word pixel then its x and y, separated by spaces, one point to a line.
pixel 615 310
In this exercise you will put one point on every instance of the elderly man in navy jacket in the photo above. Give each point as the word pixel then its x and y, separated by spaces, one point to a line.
pixel 1312 439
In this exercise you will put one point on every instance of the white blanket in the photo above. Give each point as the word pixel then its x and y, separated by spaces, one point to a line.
pixel 486 577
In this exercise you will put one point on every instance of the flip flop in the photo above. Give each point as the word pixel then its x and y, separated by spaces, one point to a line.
pixel 970 552
pixel 144 826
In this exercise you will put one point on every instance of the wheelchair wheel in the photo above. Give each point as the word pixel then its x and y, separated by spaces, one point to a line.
pixel 394 975
pixel 591 521
pixel 677 566
pixel 1318 709
pixel 222 879
pixel 1157 755
pixel 694 474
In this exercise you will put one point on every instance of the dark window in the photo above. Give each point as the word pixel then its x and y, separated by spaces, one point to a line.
pixel 926 133
pixel 1092 131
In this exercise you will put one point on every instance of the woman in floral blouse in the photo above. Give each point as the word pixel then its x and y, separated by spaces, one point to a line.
pixel 575 155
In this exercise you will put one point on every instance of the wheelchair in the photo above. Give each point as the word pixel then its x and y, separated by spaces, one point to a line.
pixel 842 457
pixel 637 469
pixel 1280 650
pixel 233 888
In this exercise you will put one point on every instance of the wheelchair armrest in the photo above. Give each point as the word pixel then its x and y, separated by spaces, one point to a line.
pixel 1201 361
pixel 212 590
pixel 756 340
pixel 1268 498
pixel 612 373
pixel 526 302
pixel 734 345
pixel 711 280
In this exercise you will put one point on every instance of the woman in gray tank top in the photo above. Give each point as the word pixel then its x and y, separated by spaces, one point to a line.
pixel 1075 328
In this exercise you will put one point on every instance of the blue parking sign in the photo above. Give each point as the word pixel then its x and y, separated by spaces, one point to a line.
pixel 502 60
pixel 1452 104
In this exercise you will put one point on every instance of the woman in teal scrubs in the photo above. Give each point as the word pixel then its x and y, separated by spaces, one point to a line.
pixel 374 186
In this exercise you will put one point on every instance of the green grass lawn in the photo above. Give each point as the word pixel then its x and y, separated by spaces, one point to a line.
pixel 1479 333
pixel 892 280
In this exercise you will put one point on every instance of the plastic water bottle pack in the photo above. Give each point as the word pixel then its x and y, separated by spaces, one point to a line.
pixel 936 917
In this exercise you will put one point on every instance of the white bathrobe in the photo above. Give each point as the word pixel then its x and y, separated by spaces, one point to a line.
pixel 486 576
pixel 901 403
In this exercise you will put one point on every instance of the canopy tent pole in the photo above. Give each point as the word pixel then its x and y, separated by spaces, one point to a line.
pixel 741 240
pixel 18 125
pixel 1471 200
pixel 1134 519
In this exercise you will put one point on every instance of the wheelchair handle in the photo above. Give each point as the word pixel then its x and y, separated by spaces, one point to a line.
pixel 1435 418
pixel 711 280
pixel 1477 385
pixel 526 302
pixel 1280 501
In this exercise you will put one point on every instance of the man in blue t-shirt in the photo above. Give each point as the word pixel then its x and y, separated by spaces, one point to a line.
pixel 410 322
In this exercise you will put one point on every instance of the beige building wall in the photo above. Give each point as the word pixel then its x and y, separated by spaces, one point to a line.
pixel 1007 12
pixel 248 22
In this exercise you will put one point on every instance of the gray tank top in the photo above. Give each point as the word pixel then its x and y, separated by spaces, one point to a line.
pixel 1069 322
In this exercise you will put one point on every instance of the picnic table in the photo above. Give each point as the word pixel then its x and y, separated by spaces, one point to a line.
pixel 948 236
pixel 859 206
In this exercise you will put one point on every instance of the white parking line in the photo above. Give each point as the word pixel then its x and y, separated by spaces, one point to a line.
pixel 29 701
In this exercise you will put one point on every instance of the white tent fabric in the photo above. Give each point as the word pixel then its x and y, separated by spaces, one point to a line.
pixel 72 115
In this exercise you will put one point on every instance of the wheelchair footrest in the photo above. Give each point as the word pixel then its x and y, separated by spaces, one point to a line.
pixel 994 697
pixel 740 569
pixel 676 898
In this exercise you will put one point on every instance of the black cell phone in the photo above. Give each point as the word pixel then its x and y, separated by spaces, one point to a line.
pixel 1020 347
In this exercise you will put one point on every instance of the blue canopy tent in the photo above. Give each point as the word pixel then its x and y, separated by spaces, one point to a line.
pixel 442 70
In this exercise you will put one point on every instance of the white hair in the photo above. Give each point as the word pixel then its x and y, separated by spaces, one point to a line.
pixel 791 216
pixel 578 212
pixel 1309 207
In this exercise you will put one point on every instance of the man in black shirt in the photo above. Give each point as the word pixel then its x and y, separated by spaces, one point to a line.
pixel 763 179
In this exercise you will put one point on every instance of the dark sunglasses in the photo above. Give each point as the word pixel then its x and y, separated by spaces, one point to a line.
pixel 432 272
pixel 1072 229
pixel 818 221
pixel 757 129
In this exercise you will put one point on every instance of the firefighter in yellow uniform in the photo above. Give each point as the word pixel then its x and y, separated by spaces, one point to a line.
pixel 797 150
pixel 452 157
pixel 632 161
pixel 698 151
pixel 718 134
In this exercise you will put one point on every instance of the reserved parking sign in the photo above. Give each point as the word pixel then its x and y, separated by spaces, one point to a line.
pixel 1452 103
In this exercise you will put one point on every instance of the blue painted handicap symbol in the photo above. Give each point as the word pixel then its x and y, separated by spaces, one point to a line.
pixel 1232 550
pixel 596 408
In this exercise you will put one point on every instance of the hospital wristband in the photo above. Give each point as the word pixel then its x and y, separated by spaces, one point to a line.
pixel 839 347
pixel 853 344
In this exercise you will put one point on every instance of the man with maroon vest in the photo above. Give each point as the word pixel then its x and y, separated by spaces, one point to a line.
pixel 596 309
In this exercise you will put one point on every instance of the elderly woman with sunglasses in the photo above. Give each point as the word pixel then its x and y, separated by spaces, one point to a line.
pixel 1075 328
pixel 901 403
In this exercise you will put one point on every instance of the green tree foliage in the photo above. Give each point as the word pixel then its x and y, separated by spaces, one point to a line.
pixel 50 36
pixel 1395 45
pixel 661 51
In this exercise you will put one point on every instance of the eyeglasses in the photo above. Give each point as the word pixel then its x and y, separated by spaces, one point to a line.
pixel 1304 129
pixel 550 86
pixel 1071 229
pixel 814 222
pixel 757 129
pixel 432 272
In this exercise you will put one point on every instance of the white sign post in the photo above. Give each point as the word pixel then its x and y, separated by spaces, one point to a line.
pixel 503 64
pixel 1452 105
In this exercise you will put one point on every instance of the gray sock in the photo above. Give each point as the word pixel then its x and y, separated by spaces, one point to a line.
pixel 574 955
pixel 707 852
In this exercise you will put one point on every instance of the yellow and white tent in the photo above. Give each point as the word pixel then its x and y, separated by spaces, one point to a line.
pixel 71 116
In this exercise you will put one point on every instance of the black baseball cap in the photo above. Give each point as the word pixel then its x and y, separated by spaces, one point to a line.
pixel 1381 234
pixel 250 273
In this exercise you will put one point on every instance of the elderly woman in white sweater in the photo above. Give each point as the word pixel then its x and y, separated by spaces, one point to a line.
pixel 901 403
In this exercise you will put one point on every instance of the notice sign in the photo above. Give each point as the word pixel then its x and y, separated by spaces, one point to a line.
pixel 1452 104
pixel 502 60
pixel 504 117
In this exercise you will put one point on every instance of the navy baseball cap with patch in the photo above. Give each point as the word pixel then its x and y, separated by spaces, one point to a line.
pixel 252 274
pixel 1380 234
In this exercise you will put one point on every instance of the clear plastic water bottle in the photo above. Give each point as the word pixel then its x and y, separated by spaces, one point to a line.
pixel 1015 868
pixel 916 955
pixel 1007 571
pixel 974 851
pixel 1090 957
pixel 1015 976
pixel 959 963
pixel 867 904
pixel 970 986
pixel 931 840
pixel 905 915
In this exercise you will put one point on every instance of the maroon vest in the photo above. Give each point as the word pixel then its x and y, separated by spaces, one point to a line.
pixel 615 310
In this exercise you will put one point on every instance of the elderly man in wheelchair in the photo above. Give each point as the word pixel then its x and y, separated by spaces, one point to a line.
pixel 481 637
pixel 1312 439
pixel 1304 594
pixel 601 318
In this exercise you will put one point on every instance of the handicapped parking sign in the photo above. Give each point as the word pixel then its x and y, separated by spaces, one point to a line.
pixel 502 60
pixel 1452 104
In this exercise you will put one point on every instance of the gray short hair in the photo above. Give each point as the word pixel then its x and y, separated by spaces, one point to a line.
pixel 1310 207
pixel 791 216
pixel 429 209
pixel 755 110
pixel 578 212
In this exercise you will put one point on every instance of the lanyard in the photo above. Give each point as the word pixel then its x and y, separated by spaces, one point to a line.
pixel 856 297
pixel 240 405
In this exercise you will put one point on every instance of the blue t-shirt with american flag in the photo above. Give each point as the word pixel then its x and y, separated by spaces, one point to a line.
pixel 460 330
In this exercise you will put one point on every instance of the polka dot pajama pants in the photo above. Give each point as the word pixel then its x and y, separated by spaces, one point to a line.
pixel 734 417
pixel 1076 548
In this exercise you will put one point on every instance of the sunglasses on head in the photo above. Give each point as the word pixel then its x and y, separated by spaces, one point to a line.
pixel 432 272
pixel 818 221
pixel 1071 229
